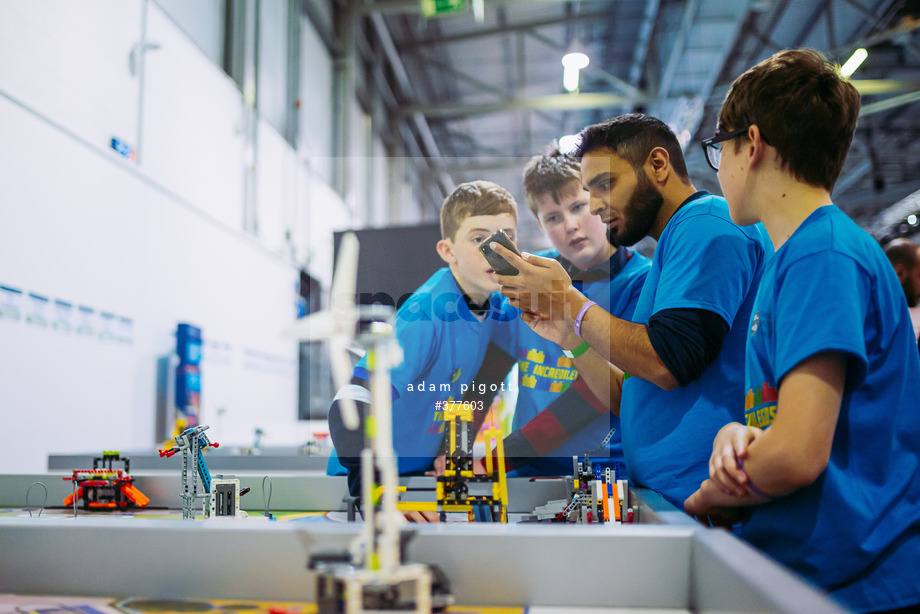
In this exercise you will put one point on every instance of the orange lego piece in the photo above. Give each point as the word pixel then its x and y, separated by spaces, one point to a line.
pixel 68 500
pixel 132 493
pixel 605 505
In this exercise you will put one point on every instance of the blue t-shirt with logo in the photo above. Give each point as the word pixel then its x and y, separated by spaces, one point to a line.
pixel 544 372
pixel 703 261
pixel 443 346
pixel 855 531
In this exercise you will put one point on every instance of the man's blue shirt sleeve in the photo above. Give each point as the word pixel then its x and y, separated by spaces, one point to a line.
pixel 708 263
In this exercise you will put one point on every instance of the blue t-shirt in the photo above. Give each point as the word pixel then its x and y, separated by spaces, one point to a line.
pixel 856 530
pixel 544 372
pixel 703 261
pixel 443 346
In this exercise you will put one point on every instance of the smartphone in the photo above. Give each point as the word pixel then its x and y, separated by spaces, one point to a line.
pixel 499 264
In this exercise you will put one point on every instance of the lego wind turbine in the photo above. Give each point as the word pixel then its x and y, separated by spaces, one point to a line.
pixel 337 325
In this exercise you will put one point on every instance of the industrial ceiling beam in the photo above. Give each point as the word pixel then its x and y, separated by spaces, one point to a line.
pixel 765 37
pixel 852 177
pixel 649 16
pixel 889 103
pixel 323 27
pixel 899 33
pixel 498 30
pixel 810 24
pixel 680 42
pixel 724 56
pixel 390 7
pixel 402 78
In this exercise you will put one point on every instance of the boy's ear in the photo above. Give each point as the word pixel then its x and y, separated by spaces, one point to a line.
pixel 757 147
pixel 445 252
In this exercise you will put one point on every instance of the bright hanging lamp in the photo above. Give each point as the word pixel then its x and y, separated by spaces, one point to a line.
pixel 573 62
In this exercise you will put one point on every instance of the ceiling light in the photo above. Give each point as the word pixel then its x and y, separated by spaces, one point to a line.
pixel 912 219
pixel 479 11
pixel 573 61
pixel 849 67
pixel 568 144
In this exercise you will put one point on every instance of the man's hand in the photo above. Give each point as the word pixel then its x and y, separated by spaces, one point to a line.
pixel 415 516
pixel 729 449
pixel 539 287
pixel 558 331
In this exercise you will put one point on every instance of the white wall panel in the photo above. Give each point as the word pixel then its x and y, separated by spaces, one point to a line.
pixel 102 236
pixel 359 162
pixel 156 242
pixel 273 43
pixel 315 102
pixel 276 176
pixel 379 185
pixel 202 21
pixel 47 63
pixel 192 139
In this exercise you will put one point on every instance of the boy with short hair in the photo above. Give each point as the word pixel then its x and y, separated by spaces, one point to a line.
pixel 444 329
pixel 829 459
pixel 556 417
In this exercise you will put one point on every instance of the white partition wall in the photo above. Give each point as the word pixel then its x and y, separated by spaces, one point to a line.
pixel 48 65
pixel 106 255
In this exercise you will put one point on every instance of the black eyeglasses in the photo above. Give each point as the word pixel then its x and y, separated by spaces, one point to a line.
pixel 712 147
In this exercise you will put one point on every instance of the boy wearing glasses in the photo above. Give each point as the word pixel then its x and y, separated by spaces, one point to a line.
pixel 827 462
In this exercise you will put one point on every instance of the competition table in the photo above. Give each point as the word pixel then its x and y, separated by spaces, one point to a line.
pixel 666 563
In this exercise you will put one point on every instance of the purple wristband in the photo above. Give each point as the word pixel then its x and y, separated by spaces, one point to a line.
pixel 750 485
pixel 581 316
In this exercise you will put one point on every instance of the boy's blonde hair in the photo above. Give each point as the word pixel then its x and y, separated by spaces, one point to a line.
pixel 474 198
pixel 549 173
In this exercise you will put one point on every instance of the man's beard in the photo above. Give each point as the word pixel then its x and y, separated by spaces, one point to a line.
pixel 639 215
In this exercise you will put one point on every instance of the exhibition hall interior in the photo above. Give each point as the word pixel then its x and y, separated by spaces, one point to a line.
pixel 498 306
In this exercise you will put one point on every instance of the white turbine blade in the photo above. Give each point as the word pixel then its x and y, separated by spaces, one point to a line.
pixel 345 278
pixel 312 328
pixel 341 375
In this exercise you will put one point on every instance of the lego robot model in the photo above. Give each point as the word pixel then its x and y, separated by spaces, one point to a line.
pixel 597 497
pixel 372 577
pixel 103 487
pixel 221 495
pixel 458 488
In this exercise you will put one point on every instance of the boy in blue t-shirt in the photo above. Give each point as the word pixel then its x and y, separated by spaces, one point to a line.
pixel 553 405
pixel 828 459
pixel 444 329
